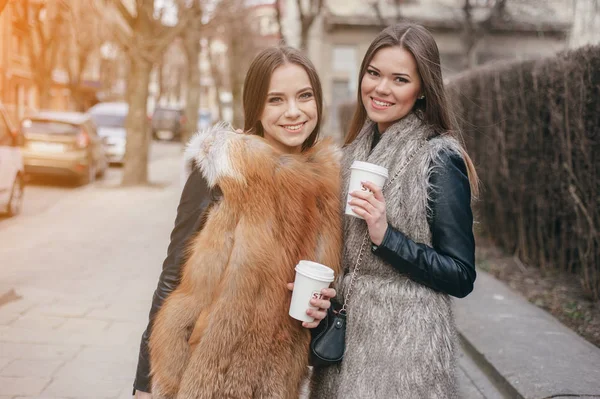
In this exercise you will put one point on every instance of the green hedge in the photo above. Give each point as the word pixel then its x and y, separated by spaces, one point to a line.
pixel 533 130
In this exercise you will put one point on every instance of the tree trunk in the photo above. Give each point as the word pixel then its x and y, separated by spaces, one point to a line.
pixel 43 85
pixel 471 56
pixel 135 170
pixel 215 72
pixel 304 37
pixel 192 49
pixel 278 6
pixel 235 52
pixel 3 5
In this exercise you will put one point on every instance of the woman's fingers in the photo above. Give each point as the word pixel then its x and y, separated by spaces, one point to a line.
pixel 321 303
pixel 311 324
pixel 375 189
pixel 366 205
pixel 328 292
pixel 318 314
pixel 290 286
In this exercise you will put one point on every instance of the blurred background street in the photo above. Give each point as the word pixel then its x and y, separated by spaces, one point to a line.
pixel 98 98
pixel 84 268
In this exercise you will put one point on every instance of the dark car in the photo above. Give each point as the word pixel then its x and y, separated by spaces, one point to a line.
pixel 168 123
pixel 63 144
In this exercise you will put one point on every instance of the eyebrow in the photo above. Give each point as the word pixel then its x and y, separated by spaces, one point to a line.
pixel 307 88
pixel 393 74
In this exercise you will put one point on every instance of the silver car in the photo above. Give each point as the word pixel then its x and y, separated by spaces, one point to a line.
pixel 110 120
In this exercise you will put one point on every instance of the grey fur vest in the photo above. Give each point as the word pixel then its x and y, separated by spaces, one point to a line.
pixel 401 336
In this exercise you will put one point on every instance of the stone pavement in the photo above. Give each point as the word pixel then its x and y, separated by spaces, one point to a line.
pixel 86 269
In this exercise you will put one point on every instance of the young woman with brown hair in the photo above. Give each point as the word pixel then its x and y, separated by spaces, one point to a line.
pixel 415 247
pixel 254 205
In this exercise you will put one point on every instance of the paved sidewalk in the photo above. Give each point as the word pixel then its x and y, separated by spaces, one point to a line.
pixel 86 270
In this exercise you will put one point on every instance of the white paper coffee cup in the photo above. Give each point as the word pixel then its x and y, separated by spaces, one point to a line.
pixel 364 171
pixel 311 278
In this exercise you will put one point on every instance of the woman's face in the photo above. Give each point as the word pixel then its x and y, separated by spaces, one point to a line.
pixel 290 113
pixel 390 86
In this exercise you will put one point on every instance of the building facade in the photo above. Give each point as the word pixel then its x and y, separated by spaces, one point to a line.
pixel 343 31
pixel 18 91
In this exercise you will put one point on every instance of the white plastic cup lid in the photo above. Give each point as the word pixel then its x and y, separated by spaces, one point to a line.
pixel 370 167
pixel 315 270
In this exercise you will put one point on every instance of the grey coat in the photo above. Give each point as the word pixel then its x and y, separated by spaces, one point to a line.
pixel 401 336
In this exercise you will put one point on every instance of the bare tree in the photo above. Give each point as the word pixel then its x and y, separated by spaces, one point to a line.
pixel 474 31
pixel 3 4
pixel 217 76
pixel 144 40
pixel 232 21
pixel 43 27
pixel 83 40
pixel 307 17
pixel 278 5
pixel 376 5
pixel 191 43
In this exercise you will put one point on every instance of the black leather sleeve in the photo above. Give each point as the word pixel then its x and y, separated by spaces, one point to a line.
pixel 449 264
pixel 195 198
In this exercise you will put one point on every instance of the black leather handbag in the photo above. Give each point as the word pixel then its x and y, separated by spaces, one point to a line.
pixel 328 346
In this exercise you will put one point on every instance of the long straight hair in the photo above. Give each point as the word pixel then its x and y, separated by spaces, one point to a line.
pixel 256 87
pixel 433 109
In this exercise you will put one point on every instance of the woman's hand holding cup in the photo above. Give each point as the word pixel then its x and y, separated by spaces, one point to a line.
pixel 370 205
pixel 323 304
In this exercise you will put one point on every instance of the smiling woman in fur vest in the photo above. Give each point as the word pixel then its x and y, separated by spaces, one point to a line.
pixel 400 338
pixel 224 330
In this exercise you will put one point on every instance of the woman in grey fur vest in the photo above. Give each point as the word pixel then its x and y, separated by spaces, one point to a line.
pixel 419 246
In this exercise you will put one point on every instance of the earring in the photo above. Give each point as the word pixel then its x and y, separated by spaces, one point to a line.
pixel 422 97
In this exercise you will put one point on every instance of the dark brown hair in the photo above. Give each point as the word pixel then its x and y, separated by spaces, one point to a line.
pixel 256 87
pixel 433 109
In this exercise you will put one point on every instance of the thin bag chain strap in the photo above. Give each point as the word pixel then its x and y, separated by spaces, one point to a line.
pixel 364 242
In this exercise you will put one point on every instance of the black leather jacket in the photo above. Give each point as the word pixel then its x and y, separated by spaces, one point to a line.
pixel 447 266
pixel 195 199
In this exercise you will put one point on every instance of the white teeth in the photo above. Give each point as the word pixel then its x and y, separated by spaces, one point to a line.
pixel 382 104
pixel 293 127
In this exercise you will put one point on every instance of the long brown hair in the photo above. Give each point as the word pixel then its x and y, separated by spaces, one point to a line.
pixel 256 87
pixel 433 109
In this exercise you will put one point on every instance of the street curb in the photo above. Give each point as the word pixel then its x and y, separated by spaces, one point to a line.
pixel 495 377
pixel 523 350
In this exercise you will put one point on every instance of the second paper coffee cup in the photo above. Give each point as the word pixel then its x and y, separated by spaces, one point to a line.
pixel 364 171
pixel 311 278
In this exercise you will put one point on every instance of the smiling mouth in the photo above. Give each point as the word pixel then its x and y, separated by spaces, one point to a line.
pixel 379 104
pixel 295 127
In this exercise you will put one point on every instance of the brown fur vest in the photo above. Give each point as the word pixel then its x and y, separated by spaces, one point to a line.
pixel 225 331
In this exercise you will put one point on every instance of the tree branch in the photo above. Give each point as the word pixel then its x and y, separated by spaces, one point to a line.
pixel 172 32
pixel 278 17
pixel 377 9
pixel 3 5
pixel 300 12
pixel 124 12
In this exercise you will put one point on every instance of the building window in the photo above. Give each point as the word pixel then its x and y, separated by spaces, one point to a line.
pixel 341 94
pixel 344 58
pixel 344 64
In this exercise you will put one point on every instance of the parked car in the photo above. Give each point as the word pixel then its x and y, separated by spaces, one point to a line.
pixel 63 144
pixel 12 172
pixel 168 123
pixel 110 119
pixel 204 119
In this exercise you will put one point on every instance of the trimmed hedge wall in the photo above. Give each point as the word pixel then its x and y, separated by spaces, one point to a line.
pixel 533 130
